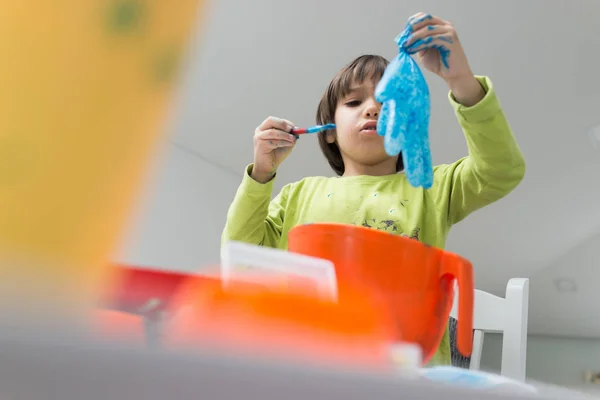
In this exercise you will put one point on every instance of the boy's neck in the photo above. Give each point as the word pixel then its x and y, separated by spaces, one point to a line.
pixel 387 167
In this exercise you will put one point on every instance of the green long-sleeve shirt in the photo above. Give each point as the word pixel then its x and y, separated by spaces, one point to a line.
pixel 493 168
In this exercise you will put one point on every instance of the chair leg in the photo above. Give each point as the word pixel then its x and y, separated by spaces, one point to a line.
pixel 152 327
pixel 477 350
pixel 514 341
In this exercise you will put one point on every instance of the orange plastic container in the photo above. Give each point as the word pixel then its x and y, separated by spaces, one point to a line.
pixel 414 280
pixel 247 318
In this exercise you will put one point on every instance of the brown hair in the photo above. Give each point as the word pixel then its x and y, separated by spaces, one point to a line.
pixel 363 67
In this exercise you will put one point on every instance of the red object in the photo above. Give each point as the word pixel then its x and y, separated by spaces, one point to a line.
pixel 413 279
pixel 141 290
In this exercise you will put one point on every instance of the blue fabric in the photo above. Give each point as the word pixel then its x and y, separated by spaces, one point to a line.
pixel 405 113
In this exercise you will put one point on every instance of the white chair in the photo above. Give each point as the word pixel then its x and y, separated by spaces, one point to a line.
pixel 508 316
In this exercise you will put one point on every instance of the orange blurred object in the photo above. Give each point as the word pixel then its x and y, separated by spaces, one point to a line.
pixel 86 89
pixel 414 280
pixel 267 322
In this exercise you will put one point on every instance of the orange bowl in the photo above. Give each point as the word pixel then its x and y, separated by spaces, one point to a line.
pixel 414 281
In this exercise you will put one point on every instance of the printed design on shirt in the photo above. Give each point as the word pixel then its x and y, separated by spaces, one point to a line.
pixel 389 225
pixel 414 235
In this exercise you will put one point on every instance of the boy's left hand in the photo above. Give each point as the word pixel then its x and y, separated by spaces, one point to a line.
pixel 436 45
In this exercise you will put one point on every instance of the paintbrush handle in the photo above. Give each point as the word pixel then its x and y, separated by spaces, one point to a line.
pixel 312 129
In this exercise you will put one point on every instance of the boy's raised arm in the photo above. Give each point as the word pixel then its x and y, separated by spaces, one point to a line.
pixel 495 165
pixel 252 217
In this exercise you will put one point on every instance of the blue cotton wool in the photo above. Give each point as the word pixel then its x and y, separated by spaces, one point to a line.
pixel 405 112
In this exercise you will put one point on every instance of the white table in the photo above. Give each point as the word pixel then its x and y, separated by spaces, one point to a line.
pixel 62 368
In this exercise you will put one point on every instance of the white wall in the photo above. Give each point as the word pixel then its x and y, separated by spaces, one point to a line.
pixel 556 360
pixel 181 213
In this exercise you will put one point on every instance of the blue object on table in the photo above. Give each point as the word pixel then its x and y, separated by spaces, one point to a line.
pixel 475 379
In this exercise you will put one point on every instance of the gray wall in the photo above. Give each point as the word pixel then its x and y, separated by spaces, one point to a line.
pixel 181 213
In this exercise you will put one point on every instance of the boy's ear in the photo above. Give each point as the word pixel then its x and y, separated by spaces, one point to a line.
pixel 330 136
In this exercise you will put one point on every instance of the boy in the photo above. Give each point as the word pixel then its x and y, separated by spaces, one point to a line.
pixel 371 190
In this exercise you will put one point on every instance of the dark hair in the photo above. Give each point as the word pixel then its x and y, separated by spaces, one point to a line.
pixel 363 67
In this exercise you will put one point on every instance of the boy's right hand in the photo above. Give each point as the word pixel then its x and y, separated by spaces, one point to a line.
pixel 273 142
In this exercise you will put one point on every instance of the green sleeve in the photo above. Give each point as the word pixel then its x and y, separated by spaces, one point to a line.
pixel 252 217
pixel 494 166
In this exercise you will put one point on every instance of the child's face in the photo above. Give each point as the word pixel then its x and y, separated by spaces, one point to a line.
pixel 356 125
